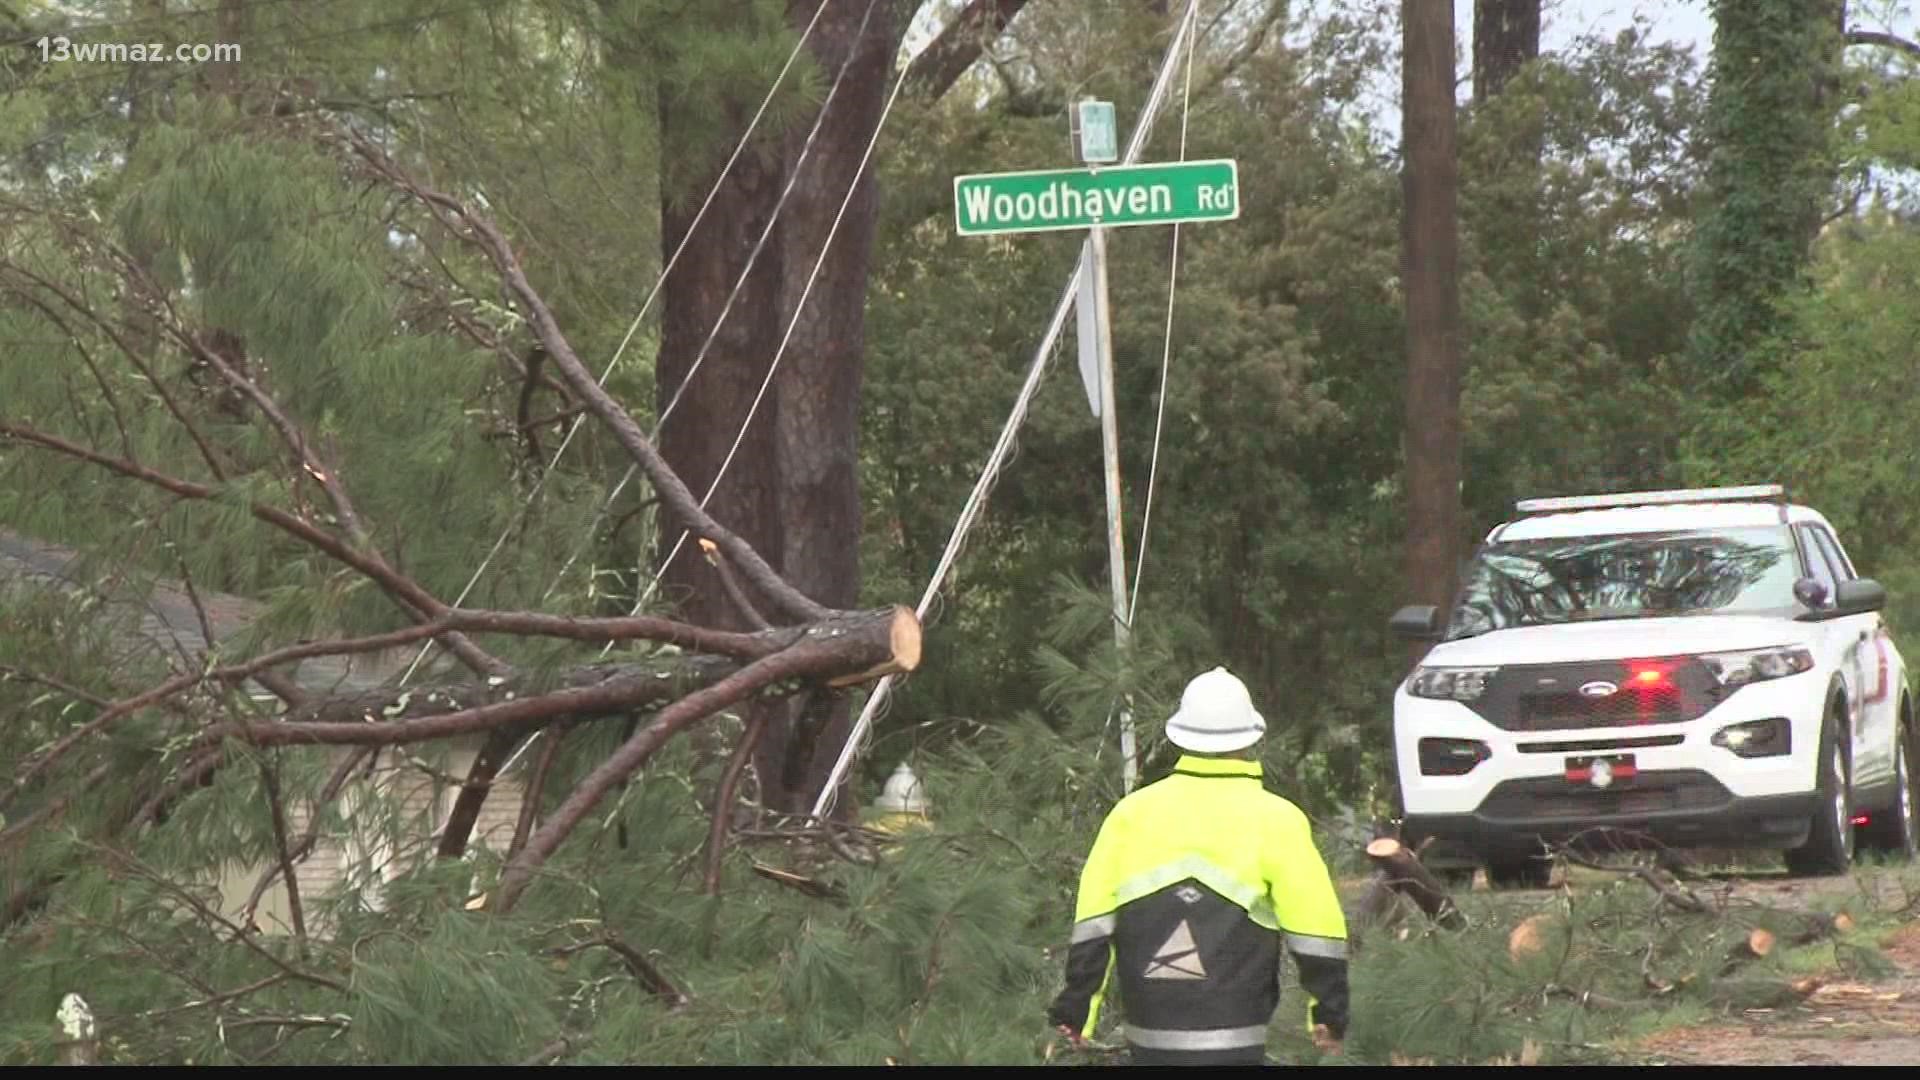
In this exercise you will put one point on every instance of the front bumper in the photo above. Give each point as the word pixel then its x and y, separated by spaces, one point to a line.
pixel 1684 790
pixel 1692 816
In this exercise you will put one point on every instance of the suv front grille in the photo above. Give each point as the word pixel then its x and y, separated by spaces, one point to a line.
pixel 1548 697
pixel 1550 798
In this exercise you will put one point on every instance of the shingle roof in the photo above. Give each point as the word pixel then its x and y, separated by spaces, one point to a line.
pixel 168 627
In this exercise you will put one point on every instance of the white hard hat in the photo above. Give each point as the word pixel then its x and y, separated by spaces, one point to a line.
pixel 1216 715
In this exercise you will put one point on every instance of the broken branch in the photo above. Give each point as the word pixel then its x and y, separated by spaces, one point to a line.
pixel 1405 874
pixel 723 799
pixel 820 653
pixel 408 593
pixel 673 490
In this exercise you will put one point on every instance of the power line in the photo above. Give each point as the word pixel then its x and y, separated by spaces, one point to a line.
pixel 1166 353
pixel 692 228
pixel 799 308
pixel 813 277
pixel 996 460
pixel 713 334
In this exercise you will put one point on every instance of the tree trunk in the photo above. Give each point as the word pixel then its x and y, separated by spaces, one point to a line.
pixel 1430 257
pixel 1506 35
pixel 1770 108
pixel 699 433
pixel 818 388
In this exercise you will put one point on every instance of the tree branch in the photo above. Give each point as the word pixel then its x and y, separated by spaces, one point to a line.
pixel 133 866
pixel 230 675
pixel 207 453
pixel 484 234
pixel 312 836
pixel 739 595
pixel 723 799
pixel 271 783
pixel 947 57
pixel 416 600
pixel 474 791
pixel 823 652
pixel 1890 41
pixel 9 673
pixel 536 786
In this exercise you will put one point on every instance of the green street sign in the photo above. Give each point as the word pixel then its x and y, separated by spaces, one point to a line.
pixel 1051 199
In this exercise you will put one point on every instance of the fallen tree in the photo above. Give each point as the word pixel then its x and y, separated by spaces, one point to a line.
pixel 686 676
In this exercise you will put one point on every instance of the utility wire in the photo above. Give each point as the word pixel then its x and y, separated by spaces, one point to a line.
pixel 799 309
pixel 995 461
pixel 652 294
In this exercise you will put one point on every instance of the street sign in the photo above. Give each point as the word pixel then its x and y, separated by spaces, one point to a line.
pixel 1099 133
pixel 1052 199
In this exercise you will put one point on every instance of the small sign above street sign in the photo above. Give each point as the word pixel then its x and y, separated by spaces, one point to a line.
pixel 1054 199
pixel 1099 133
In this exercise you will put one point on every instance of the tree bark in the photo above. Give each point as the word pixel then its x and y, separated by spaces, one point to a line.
pixel 1430 244
pixel 829 223
pixel 1506 35
pixel 699 433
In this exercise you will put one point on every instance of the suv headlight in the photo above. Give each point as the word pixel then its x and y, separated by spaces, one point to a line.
pixel 1450 683
pixel 1734 669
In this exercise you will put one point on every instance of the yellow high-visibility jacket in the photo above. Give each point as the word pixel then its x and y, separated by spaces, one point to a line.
pixel 1194 886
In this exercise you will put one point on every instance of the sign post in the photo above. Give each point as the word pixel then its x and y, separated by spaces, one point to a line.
pixel 1097 145
pixel 1096 199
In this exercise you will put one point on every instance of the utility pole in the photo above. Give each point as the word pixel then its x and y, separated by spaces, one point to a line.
pixel 1099 145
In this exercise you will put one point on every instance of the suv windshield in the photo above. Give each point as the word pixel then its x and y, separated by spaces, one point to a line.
pixel 1625 576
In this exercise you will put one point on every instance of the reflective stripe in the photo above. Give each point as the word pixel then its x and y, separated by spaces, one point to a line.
pixel 1309 945
pixel 1252 897
pixel 1093 929
pixel 1203 1039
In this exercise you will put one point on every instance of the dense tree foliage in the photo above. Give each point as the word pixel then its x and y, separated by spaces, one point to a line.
pixel 1628 218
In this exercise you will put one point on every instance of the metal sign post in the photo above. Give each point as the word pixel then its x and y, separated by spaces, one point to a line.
pixel 1096 199
pixel 1098 144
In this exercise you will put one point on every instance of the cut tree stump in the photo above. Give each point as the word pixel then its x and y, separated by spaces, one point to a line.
pixel 1404 873
pixel 1757 946
pixel 1529 938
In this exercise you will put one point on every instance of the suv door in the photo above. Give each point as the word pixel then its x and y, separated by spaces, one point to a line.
pixel 1875 705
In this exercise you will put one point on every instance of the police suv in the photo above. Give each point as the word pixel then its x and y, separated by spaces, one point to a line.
pixel 1697 668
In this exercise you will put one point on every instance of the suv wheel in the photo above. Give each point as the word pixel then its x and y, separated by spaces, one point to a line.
pixel 1829 847
pixel 1898 833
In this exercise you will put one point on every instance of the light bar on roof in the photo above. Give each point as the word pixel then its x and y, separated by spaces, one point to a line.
pixel 1652 498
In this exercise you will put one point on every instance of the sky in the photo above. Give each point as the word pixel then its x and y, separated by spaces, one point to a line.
pixel 1685 22
pixel 1681 21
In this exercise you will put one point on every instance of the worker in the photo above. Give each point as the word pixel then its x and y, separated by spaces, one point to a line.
pixel 1193 887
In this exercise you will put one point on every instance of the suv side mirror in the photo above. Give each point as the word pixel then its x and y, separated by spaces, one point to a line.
pixel 1420 622
pixel 1810 592
pixel 1859 597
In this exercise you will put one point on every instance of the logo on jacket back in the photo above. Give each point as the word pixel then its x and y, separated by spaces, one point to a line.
pixel 1178 957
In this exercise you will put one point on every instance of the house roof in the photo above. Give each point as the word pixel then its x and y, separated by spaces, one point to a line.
pixel 168 626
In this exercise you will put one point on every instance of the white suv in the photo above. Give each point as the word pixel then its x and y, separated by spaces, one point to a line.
pixel 1688 668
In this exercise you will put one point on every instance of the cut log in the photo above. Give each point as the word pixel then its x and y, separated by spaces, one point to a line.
pixel 1819 929
pixel 903 638
pixel 1529 938
pixel 1405 874
pixel 1758 944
